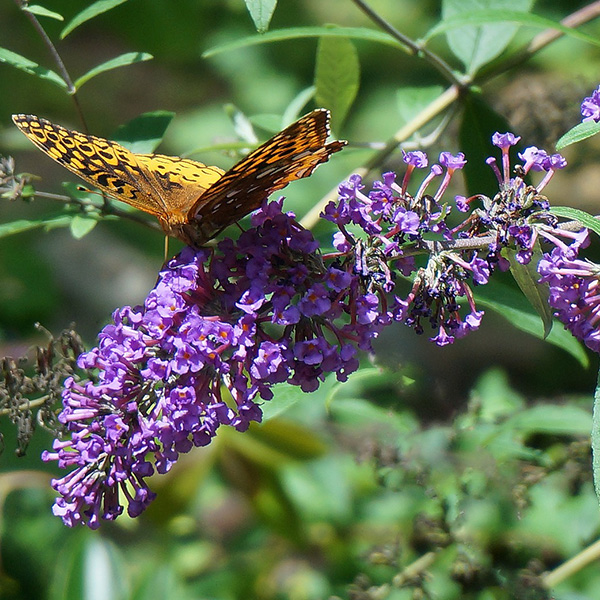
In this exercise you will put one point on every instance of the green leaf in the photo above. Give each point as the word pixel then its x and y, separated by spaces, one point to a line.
pixel 476 46
pixel 88 13
pixel 527 279
pixel 261 12
pixel 24 64
pixel 596 439
pixel 495 397
pixel 412 100
pixel 81 225
pixel 286 396
pixel 511 305
pixel 40 11
pixel 580 132
pixel 477 17
pixel 553 419
pixel 25 225
pixel 292 33
pixel 94 568
pixel 478 123
pixel 271 123
pixel 128 58
pixel 575 214
pixel 357 411
pixel 337 77
pixel 296 106
pixel 144 133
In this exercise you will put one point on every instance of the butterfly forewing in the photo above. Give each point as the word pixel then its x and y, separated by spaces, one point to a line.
pixel 163 186
pixel 292 154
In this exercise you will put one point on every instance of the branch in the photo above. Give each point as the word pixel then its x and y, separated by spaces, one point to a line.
pixel 415 48
pixel 106 209
pixel 71 89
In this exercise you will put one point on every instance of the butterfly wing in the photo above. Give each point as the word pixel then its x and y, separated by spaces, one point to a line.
pixel 292 154
pixel 162 186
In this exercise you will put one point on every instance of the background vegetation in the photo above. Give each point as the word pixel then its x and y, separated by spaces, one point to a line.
pixel 461 472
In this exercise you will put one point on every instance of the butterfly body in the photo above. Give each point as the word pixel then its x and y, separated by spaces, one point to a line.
pixel 192 201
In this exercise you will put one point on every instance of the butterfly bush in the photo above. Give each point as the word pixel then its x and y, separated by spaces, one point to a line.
pixel 258 311
pixel 223 325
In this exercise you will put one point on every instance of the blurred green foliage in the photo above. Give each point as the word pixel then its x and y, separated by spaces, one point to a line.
pixel 434 476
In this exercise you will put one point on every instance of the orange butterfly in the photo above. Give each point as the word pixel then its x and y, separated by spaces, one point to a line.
pixel 191 200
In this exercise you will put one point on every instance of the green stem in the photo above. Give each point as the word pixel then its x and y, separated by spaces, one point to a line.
pixel 25 406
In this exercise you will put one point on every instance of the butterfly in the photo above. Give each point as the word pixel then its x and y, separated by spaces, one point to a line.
pixel 192 201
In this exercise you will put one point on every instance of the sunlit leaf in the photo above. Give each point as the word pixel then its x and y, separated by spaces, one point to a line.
pixel 292 33
pixel 337 77
pixel 286 396
pixel 501 16
pixel 88 13
pixel 241 124
pixel 120 61
pixel 580 132
pixel 552 419
pixel 25 225
pixel 92 568
pixel 81 225
pixel 359 410
pixel 40 11
pixel 261 12
pixel 24 64
pixel 477 45
pixel 584 218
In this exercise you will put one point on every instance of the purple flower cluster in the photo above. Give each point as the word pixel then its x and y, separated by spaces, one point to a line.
pixel 513 216
pixel 574 285
pixel 392 227
pixel 252 313
pixel 590 107
pixel 395 228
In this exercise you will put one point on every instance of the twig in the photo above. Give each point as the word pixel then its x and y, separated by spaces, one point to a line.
pixel 104 210
pixel 414 47
pixel 71 89
pixel 573 565
pixel 415 569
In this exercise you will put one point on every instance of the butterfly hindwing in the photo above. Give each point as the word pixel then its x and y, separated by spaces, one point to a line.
pixel 292 154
